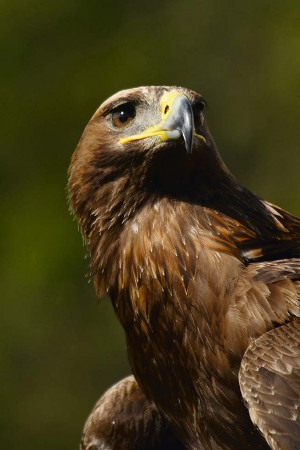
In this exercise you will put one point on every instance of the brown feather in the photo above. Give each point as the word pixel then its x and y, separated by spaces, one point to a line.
pixel 270 382
pixel 124 419
pixel 197 267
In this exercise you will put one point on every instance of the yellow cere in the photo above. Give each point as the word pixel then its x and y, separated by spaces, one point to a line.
pixel 166 103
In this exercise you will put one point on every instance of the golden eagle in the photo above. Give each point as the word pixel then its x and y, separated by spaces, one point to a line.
pixel 203 275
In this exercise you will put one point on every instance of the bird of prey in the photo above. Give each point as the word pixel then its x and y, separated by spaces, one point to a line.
pixel 203 275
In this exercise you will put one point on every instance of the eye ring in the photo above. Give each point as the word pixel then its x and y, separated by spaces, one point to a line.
pixel 123 114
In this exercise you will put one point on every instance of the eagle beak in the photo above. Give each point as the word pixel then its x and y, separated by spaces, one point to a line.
pixel 177 122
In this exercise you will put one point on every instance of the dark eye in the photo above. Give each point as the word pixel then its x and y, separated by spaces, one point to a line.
pixel 199 110
pixel 201 106
pixel 122 115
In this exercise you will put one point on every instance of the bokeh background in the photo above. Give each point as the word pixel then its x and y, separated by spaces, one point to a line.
pixel 60 348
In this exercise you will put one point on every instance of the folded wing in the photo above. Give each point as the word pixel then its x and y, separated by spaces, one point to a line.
pixel 270 383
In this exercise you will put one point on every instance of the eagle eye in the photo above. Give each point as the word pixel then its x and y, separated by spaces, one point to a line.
pixel 199 109
pixel 123 114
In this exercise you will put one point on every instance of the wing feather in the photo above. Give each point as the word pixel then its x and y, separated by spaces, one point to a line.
pixel 269 379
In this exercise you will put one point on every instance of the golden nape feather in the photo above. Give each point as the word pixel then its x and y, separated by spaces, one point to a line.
pixel 203 276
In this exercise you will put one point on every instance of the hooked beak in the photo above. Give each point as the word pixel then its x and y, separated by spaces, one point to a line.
pixel 177 122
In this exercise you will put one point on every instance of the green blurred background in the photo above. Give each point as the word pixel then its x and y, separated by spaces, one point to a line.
pixel 59 348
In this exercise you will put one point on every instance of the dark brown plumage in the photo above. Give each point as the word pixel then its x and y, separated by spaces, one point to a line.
pixel 198 269
pixel 123 419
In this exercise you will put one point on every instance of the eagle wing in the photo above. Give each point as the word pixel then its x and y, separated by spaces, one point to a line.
pixel 269 375
pixel 277 242
pixel 270 383
pixel 124 419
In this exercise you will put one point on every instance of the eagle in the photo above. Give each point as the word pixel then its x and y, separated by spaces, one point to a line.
pixel 203 275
